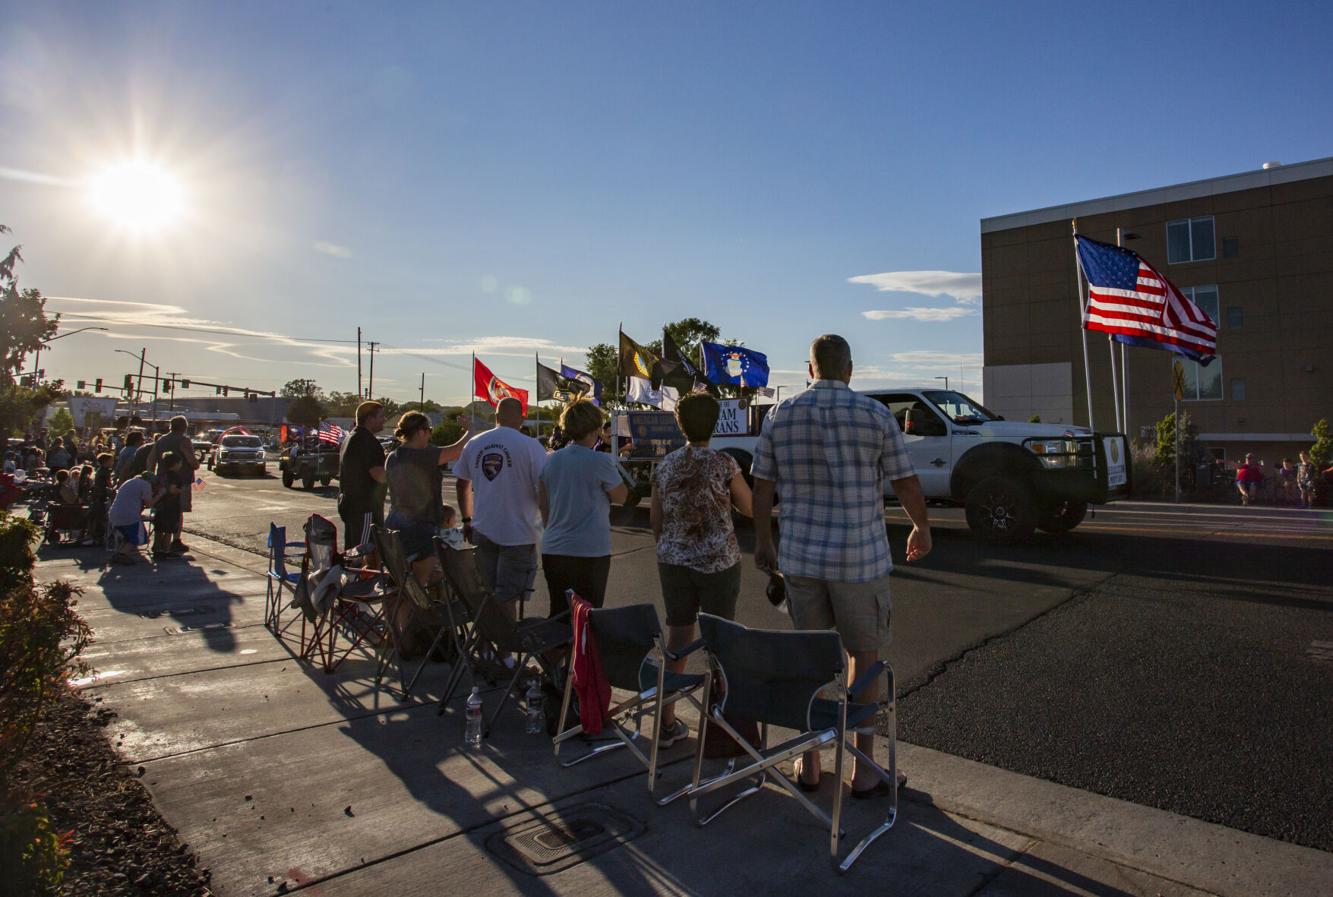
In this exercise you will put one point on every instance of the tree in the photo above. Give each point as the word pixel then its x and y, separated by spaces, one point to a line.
pixel 24 325
pixel 61 422
pixel 1321 453
pixel 300 388
pixel 342 404
pixel 1166 448
pixel 20 404
pixel 604 358
pixel 306 411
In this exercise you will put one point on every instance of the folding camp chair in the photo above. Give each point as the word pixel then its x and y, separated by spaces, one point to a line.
pixel 351 606
pixel 776 678
pixel 634 658
pixel 491 628
pixel 319 557
pixel 281 580
pixel 403 586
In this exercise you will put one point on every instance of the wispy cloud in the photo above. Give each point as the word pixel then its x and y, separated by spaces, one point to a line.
pixel 961 286
pixel 927 359
pixel 499 345
pixel 336 250
pixel 35 177
pixel 948 313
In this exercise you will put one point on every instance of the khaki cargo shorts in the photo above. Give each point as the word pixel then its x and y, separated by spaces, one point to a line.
pixel 860 611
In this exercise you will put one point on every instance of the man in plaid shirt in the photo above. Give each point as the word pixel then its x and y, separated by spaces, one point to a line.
pixel 827 452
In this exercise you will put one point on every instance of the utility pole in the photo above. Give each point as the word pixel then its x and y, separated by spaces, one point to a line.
pixel 422 409
pixel 171 393
pixel 370 390
pixel 358 363
pixel 138 384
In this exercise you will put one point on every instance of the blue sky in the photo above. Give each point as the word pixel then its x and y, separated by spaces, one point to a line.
pixel 521 177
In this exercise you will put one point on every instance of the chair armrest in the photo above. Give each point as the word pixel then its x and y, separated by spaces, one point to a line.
pixel 866 678
pixel 293 545
pixel 685 651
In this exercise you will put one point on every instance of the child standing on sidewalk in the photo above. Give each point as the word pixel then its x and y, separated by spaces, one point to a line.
pixel 1305 473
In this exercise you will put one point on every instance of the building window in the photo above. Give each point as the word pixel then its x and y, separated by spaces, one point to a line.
pixel 1201 383
pixel 1190 240
pixel 1238 390
pixel 1206 298
pixel 1235 317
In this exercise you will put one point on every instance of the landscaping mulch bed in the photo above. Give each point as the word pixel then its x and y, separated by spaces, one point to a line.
pixel 120 844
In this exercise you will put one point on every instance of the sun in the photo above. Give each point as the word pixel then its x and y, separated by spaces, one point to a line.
pixel 137 195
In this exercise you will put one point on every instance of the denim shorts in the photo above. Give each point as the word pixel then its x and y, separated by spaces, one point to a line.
pixel 418 538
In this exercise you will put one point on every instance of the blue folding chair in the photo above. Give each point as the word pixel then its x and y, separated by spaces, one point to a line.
pixel 282 579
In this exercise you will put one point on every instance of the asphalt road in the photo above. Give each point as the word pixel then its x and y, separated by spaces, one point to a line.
pixel 1175 656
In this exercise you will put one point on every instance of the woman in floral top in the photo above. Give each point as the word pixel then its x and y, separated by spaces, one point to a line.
pixel 698 560
pixel 1305 474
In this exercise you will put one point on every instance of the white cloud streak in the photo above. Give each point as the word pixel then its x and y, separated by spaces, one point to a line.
pixel 336 250
pixel 961 286
pixel 926 358
pixel 948 313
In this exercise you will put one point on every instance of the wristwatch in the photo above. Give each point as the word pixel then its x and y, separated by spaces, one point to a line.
pixel 467 519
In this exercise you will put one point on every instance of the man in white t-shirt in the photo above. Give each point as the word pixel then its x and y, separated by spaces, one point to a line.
pixel 498 474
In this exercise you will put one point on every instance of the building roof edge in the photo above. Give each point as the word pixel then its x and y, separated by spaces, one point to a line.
pixel 1246 180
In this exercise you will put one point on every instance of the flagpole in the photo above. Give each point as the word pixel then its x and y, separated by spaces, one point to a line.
pixel 1115 382
pixel 1078 298
pixel 1124 364
pixel 472 391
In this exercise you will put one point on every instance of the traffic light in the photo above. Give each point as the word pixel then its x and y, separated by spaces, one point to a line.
pixel 166 386
pixel 129 383
pixel 217 390
pixel 185 384
pixel 81 384
pixel 41 374
pixel 225 390
pixel 252 397
pixel 98 386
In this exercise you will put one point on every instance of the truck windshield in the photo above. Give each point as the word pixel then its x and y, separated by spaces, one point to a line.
pixel 959 407
pixel 241 441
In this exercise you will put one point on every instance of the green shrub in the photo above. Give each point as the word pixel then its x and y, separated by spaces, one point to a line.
pixel 1321 453
pixel 41 638
pixel 18 539
pixel 1147 477
pixel 33 856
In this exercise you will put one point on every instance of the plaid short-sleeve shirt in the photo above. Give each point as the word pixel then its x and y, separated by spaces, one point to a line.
pixel 829 450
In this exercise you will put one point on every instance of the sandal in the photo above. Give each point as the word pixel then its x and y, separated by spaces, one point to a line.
pixel 798 767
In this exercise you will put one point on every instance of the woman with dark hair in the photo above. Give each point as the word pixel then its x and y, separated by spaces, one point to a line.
pixel 698 560
pixel 416 505
pixel 578 486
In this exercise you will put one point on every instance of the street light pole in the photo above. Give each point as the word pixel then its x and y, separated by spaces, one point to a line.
pixel 946 381
pixel 37 355
pixel 422 409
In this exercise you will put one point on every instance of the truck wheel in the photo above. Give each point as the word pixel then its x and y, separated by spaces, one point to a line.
pixel 324 481
pixel 308 482
pixel 1062 516
pixel 288 479
pixel 1001 510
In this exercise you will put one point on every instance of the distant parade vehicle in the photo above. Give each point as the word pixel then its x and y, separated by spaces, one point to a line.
pixel 1011 477
pixel 309 460
pixel 237 453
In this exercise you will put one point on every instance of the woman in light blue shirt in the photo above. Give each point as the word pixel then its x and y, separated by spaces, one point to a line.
pixel 578 486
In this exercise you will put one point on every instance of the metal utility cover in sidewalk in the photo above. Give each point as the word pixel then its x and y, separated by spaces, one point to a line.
pixel 562 839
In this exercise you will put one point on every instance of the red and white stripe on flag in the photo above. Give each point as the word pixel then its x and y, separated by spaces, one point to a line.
pixel 1155 309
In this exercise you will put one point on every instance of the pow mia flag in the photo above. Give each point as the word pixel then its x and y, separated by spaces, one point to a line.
pixel 554 386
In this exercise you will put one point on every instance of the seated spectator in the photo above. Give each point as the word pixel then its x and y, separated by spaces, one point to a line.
pixel 1249 480
pixel 67 488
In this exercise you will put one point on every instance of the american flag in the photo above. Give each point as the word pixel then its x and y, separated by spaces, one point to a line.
pixel 331 432
pixel 1128 298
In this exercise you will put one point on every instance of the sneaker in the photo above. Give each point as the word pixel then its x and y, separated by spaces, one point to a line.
pixel 672 733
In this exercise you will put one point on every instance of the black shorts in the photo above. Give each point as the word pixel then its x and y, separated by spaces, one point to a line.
pixel 685 592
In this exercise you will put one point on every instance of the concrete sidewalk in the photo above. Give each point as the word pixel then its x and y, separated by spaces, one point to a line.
pixel 283 779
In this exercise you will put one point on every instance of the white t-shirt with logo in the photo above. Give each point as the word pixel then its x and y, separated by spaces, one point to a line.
pixel 505 467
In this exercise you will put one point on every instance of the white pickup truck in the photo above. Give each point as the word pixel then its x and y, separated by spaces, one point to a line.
pixel 1011 477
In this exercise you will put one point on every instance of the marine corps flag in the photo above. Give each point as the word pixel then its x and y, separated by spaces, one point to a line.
pixel 636 361
pixel 486 385
pixel 552 385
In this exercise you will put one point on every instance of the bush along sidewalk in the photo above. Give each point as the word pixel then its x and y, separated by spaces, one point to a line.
pixel 73 819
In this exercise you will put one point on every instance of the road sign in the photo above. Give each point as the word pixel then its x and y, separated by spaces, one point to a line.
pixel 1178 380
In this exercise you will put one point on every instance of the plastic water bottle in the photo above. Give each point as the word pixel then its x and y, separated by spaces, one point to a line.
pixel 472 731
pixel 536 724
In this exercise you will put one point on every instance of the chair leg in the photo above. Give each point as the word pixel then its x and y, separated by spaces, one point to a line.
pixel 890 775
